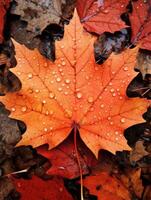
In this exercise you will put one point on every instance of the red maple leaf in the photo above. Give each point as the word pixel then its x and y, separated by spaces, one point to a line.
pixel 75 93
pixel 99 17
pixel 64 159
pixel 38 189
pixel 4 4
pixel 141 23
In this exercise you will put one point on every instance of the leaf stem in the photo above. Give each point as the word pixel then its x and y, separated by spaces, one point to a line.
pixel 78 159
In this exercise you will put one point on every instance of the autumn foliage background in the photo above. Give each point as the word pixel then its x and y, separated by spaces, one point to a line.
pixel 75 90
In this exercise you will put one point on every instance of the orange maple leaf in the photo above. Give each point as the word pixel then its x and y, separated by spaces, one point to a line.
pixel 74 92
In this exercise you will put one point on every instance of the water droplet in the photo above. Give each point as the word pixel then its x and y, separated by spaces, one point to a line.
pixel 37 91
pixel 110 83
pixel 30 75
pixel 111 123
pixel 60 70
pixel 30 90
pixel 59 89
pixel 113 94
pixel 19 73
pixel 67 81
pixel 62 46
pixel 23 109
pixel 13 109
pixel 44 101
pixel 47 112
pixel 90 99
pixel 100 97
pixel 106 11
pixel 109 118
pixel 116 132
pixel 120 97
pixel 122 120
pixel 51 95
pixel 102 106
pixel 58 79
pixel 116 138
pixel 112 90
pixel 79 95
pixel 45 129
pixel 125 68
pixel 63 63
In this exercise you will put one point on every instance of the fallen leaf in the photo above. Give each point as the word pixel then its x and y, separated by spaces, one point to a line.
pixel 38 189
pixel 143 63
pixel 6 187
pixel 41 13
pixel 106 187
pixel 138 152
pixel 64 159
pixel 75 93
pixel 140 20
pixel 4 4
pixel 131 180
pixel 102 18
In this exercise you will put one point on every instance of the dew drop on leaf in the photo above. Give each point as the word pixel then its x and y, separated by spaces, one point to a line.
pixel 122 120
pixel 79 95
pixel 37 91
pixel 58 79
pixel 13 109
pixel 90 99
pixel 63 63
pixel 59 89
pixel 67 81
pixel 44 101
pixel 102 106
pixel 30 75
pixel 23 109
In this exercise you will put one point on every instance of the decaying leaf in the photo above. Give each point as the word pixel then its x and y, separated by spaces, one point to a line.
pixel 38 13
pixel 99 18
pixel 75 93
pixel 6 187
pixel 144 63
pixel 138 152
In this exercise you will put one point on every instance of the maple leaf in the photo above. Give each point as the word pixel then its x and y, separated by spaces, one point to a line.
pixel 106 187
pixel 104 17
pixel 36 188
pixel 75 92
pixel 4 4
pixel 64 160
pixel 140 20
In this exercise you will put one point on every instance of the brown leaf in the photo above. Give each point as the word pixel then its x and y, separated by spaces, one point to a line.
pixel 138 152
